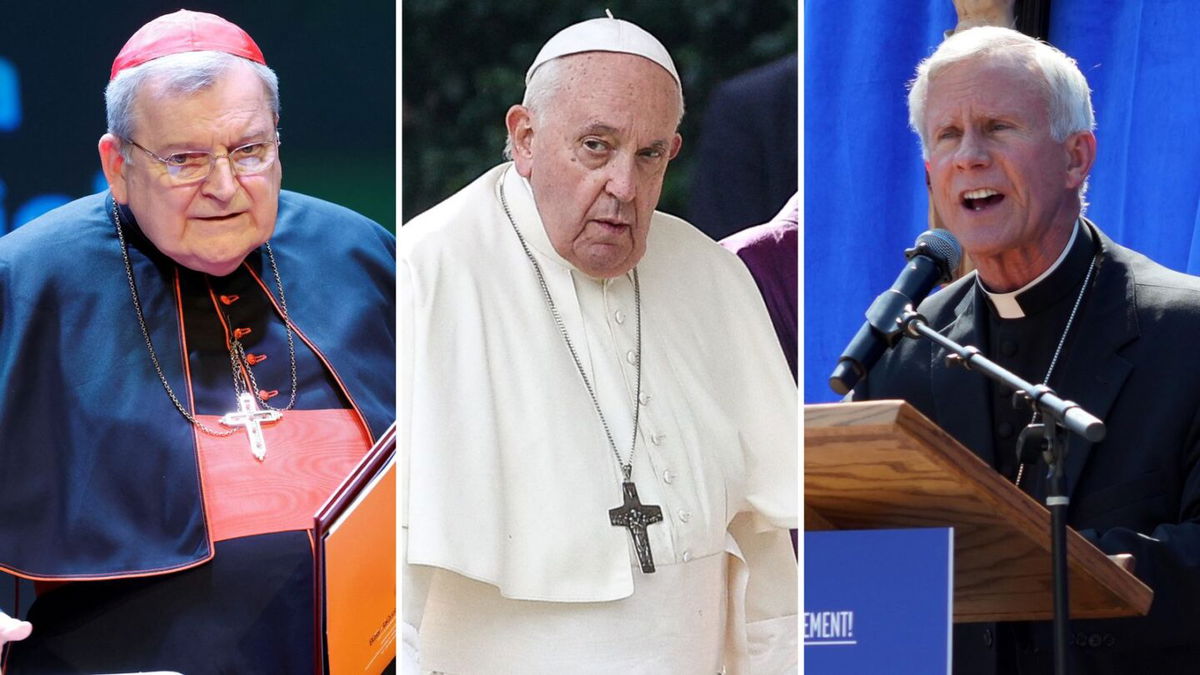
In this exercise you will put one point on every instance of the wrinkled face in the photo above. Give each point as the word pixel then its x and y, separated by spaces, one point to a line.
pixel 209 226
pixel 998 179
pixel 596 157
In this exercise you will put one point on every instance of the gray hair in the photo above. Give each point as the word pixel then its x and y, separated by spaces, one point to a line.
pixel 544 85
pixel 1065 89
pixel 182 74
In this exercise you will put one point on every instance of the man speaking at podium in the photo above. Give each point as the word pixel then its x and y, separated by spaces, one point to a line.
pixel 190 363
pixel 1005 124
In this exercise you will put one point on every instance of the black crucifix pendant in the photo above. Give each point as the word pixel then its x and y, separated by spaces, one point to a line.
pixel 636 516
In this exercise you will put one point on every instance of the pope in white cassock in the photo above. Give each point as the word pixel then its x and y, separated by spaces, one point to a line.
pixel 597 422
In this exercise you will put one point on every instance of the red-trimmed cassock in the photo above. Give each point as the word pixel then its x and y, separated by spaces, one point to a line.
pixel 155 545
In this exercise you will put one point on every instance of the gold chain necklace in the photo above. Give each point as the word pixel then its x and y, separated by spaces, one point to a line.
pixel 248 414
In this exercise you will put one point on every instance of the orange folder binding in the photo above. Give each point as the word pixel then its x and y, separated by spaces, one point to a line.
pixel 355 538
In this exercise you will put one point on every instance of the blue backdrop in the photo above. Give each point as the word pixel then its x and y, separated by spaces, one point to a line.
pixel 864 192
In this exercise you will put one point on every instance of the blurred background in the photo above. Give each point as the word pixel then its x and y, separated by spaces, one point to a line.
pixel 337 74
pixel 465 62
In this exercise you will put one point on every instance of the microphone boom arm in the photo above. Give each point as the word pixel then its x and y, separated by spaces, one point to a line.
pixel 1067 414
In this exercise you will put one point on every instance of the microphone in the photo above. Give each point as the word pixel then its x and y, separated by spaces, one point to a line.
pixel 931 261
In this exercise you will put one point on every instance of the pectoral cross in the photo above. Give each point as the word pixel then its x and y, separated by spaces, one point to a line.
pixel 248 415
pixel 636 516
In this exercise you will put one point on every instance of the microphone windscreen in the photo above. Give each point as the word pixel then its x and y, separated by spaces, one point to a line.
pixel 943 246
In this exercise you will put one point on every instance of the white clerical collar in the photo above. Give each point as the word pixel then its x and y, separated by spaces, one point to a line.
pixel 1006 304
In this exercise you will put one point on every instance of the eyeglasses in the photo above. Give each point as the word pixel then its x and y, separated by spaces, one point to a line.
pixel 192 167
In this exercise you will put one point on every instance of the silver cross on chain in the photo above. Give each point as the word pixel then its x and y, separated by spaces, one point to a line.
pixel 250 416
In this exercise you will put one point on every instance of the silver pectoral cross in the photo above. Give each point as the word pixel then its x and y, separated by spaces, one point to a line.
pixel 250 416
pixel 636 516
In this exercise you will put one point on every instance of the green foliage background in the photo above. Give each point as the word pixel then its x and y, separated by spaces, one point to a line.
pixel 464 64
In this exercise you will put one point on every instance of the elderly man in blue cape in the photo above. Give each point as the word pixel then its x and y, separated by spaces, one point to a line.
pixel 191 363
pixel 596 418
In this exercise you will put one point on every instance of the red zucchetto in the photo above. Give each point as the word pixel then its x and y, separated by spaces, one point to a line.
pixel 185 31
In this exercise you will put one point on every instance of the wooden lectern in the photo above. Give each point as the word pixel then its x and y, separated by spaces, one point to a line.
pixel 882 464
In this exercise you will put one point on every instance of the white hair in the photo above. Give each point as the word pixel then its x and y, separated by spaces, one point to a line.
pixel 181 74
pixel 546 82
pixel 1064 87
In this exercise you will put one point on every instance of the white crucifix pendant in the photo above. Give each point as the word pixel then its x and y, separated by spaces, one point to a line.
pixel 248 415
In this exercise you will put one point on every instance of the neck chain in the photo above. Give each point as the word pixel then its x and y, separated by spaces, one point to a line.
pixel 1058 350
pixel 237 355
pixel 627 464
pixel 632 513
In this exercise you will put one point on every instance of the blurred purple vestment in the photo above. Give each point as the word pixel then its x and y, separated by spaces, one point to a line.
pixel 770 252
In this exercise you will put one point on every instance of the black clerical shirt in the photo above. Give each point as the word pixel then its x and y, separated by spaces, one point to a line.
pixel 1026 345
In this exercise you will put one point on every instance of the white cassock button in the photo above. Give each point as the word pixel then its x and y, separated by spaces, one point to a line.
pixel 619 316
pixel 644 398
pixel 631 357
pixel 658 439
pixel 685 516
pixel 687 555
pixel 668 476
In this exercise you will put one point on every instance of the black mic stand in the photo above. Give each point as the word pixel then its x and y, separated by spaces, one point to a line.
pixel 1059 415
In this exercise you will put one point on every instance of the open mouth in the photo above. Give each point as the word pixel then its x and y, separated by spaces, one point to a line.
pixel 978 200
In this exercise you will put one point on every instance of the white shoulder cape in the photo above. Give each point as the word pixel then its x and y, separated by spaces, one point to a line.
pixel 509 477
